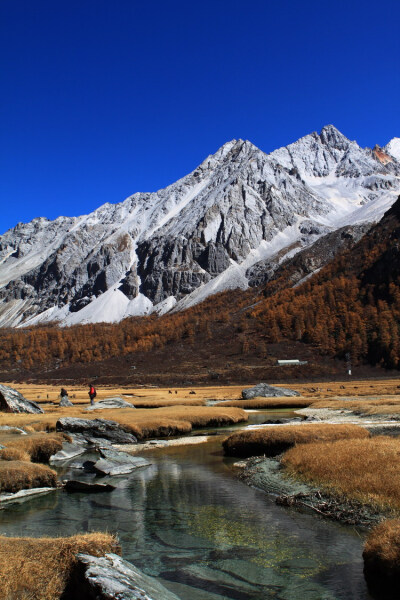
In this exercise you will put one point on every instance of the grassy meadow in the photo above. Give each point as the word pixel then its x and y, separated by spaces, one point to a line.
pixel 24 577
pixel 271 441
pixel 366 469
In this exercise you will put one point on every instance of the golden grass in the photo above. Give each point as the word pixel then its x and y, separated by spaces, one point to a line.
pixel 380 406
pixel 367 470
pixel 17 475
pixel 175 420
pixel 14 454
pixel 38 568
pixel 263 403
pixel 272 441
pixel 172 420
pixel 38 446
pixel 139 403
pixel 382 549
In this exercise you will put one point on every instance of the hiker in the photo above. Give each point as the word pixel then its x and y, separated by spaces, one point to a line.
pixel 63 393
pixel 92 393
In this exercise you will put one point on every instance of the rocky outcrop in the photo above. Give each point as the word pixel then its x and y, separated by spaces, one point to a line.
pixel 113 462
pixel 267 391
pixel 110 577
pixel 310 259
pixel 109 403
pixel 96 428
pixel 12 401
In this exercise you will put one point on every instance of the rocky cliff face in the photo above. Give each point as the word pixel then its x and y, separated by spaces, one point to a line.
pixel 237 214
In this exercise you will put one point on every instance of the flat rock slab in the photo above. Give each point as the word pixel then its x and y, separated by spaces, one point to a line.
pixel 73 485
pixel 25 494
pixel 96 428
pixel 118 463
pixel 264 390
pixel 110 403
pixel 68 451
pixel 111 577
pixel 12 401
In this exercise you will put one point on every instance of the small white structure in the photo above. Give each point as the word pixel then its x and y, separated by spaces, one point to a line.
pixel 290 363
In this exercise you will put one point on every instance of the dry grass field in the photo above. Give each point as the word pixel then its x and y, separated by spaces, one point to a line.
pixel 366 469
pixel 382 549
pixel 38 446
pixel 143 423
pixel 24 577
pixel 369 406
pixel 16 475
pixel 272 441
pixel 265 403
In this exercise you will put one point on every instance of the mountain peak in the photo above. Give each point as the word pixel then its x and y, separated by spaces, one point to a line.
pixel 333 137
pixel 393 148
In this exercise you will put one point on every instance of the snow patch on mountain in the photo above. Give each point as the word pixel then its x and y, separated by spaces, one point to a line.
pixel 393 148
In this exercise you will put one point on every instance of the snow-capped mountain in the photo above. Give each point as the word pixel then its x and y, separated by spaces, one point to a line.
pixel 203 234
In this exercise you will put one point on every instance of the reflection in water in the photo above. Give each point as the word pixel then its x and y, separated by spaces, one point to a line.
pixel 206 535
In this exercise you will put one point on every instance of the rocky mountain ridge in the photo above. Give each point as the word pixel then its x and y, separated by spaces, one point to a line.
pixel 209 231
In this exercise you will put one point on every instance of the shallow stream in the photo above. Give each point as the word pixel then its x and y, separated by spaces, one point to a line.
pixel 187 520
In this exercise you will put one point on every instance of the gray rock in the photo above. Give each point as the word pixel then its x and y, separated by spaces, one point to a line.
pixel 11 429
pixel 110 578
pixel 118 463
pixel 23 495
pixel 65 401
pixel 267 391
pixel 68 451
pixel 73 485
pixel 110 403
pixel 12 401
pixel 96 428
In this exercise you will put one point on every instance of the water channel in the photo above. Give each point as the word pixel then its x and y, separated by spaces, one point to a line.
pixel 190 522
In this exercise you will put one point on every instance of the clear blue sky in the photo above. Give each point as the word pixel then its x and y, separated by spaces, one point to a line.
pixel 104 98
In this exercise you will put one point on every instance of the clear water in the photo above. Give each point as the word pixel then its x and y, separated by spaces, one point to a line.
pixel 187 520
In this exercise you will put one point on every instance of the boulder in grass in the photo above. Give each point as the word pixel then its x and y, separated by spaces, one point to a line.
pixel 13 402
pixel 65 401
pixel 110 576
pixel 110 403
pixel 264 390
pixel 96 428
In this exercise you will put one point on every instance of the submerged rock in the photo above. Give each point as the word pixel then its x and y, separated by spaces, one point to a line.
pixel 12 401
pixel 110 577
pixel 72 485
pixel 267 391
pixel 110 403
pixel 96 428
pixel 118 463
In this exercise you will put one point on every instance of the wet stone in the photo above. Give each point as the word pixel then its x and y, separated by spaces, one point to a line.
pixel 118 463
pixel 68 451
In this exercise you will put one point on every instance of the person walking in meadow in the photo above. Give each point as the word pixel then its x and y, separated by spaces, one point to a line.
pixel 92 393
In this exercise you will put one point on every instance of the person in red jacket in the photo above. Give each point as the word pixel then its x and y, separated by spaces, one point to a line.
pixel 92 393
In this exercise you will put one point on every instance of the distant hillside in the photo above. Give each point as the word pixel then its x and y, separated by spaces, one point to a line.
pixel 351 305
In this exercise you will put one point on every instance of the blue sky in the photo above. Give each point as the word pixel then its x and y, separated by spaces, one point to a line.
pixel 101 99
